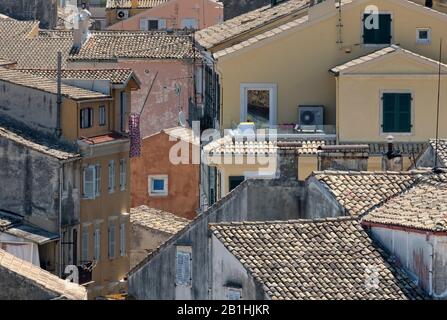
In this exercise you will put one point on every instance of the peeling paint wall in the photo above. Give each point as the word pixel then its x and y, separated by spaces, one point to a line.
pixel 253 200
pixel 424 255
pixel 43 10
pixel 319 203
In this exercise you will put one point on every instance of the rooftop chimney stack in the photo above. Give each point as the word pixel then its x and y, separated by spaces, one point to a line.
pixel 81 28
pixel 392 159
pixel 287 161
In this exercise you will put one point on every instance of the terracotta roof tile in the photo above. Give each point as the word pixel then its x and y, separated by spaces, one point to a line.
pixel 41 278
pixel 442 150
pixel 316 259
pixel 47 85
pixel 358 192
pixel 423 207
pixel 155 219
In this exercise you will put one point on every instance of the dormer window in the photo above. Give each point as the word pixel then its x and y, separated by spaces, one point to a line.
pixel 377 28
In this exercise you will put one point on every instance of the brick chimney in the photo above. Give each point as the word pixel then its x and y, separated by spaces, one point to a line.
pixel 287 163
pixel 343 157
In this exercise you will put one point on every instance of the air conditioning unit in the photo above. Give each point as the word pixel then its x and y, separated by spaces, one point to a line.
pixel 122 14
pixel 311 117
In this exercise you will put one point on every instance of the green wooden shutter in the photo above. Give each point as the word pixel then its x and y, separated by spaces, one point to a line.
pixel 389 112
pixel 384 32
pixel 404 112
pixel 368 34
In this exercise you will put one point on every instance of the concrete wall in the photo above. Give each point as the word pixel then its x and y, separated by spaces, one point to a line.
pixel 427 159
pixel 43 10
pixel 144 241
pixel 227 271
pixel 414 251
pixel 16 287
pixel 253 200
pixel 319 203
pixel 42 113
pixel 30 186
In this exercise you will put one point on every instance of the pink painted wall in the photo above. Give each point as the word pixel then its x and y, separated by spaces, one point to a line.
pixel 162 107
pixel 206 12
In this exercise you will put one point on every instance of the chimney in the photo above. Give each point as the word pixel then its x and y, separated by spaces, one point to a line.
pixel 134 4
pixel 343 157
pixel 392 159
pixel 287 162
pixel 81 28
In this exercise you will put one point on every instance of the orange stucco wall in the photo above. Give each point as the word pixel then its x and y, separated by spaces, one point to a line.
pixel 206 12
pixel 183 179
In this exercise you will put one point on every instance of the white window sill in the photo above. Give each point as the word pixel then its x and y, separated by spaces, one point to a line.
pixel 158 194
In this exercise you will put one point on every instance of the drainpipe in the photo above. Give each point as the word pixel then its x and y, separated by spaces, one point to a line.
pixel 59 94
pixel 61 173
pixel 430 267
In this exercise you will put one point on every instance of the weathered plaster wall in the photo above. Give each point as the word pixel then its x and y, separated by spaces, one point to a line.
pixel 233 8
pixel 43 114
pixel 143 242
pixel 319 203
pixel 227 271
pixel 253 200
pixel 16 287
pixel 43 10
pixel 414 251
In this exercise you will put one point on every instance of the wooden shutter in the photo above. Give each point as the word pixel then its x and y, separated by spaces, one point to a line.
pixel 112 240
pixel 85 245
pixel 404 112
pixel 161 24
pixel 384 32
pixel 397 112
pixel 143 24
pixel 389 112
pixel 89 182
pixel 183 268
pixel 122 239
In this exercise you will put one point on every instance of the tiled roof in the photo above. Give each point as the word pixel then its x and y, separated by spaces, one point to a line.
pixel 393 49
pixel 38 144
pixel 316 259
pixel 41 278
pixel 184 134
pixel 226 146
pixel 11 28
pixel 155 219
pixel 4 62
pixel 442 150
pixel 247 22
pixel 127 4
pixel 7 219
pixel 422 207
pixel 116 76
pixel 358 192
pixel 103 138
pixel 112 45
pixel 405 148
pixel 47 85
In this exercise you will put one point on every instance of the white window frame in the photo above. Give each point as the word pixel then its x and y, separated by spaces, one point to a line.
pixel 123 173
pixel 163 193
pixel 102 116
pixel 97 244
pixel 232 289
pixel 111 184
pixel 183 252
pixel 122 239
pixel 423 41
pixel 161 23
pixel 385 134
pixel 85 243
pixel 273 100
pixel 112 240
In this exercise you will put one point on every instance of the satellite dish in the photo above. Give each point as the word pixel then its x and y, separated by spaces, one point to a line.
pixel 182 119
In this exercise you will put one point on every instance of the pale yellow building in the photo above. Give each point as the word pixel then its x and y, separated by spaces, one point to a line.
pixel 285 53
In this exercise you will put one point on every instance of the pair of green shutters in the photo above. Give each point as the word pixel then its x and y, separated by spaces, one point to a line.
pixel 396 112
pixel 381 35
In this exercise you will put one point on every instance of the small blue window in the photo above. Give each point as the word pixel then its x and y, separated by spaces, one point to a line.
pixel 158 185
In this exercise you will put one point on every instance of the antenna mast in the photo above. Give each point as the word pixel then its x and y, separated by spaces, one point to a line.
pixel 438 104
